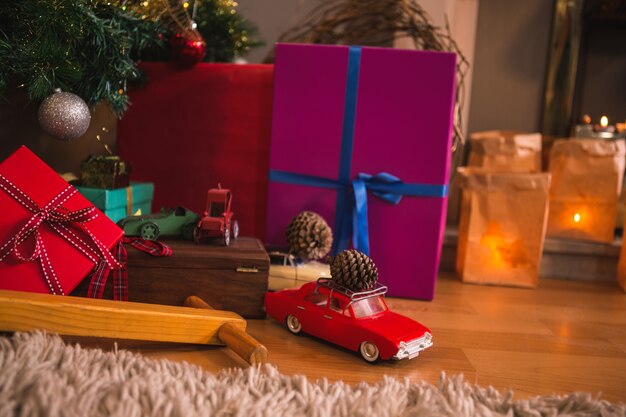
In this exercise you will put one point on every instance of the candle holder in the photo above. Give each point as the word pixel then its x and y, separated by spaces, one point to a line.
pixel 586 183
pixel 599 131
pixel 588 131
pixel 502 227
pixel 508 151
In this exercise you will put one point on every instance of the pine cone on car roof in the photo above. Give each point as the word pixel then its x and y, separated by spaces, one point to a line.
pixel 354 270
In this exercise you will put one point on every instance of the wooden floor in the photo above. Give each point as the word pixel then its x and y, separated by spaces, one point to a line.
pixel 564 336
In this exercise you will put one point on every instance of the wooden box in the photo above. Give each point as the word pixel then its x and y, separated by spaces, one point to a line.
pixel 230 278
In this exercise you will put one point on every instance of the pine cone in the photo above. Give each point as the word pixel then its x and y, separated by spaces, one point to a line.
pixel 354 270
pixel 309 236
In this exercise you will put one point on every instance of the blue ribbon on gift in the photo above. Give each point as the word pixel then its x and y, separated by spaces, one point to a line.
pixel 351 207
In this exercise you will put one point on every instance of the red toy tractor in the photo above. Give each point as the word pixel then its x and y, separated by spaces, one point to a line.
pixel 217 220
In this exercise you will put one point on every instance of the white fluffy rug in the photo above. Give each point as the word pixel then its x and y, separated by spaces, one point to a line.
pixel 42 376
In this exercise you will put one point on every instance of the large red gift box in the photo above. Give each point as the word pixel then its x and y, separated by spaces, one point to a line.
pixel 188 130
pixel 50 235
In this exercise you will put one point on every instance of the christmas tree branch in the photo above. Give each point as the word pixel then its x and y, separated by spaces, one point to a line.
pixel 81 46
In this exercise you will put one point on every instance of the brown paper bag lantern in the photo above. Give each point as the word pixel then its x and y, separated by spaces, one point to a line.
pixel 587 179
pixel 506 151
pixel 502 227
pixel 621 266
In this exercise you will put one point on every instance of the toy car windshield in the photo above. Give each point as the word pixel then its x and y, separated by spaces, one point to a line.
pixel 368 307
pixel 364 303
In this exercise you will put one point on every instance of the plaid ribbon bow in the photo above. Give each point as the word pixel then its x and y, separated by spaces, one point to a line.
pixel 151 247
pixel 120 277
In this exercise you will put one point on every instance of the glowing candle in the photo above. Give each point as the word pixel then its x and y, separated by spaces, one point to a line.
pixel 604 126
pixel 494 240
pixel 577 217
pixel 504 253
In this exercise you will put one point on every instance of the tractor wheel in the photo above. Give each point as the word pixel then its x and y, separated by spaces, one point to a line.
pixel 226 236
pixel 149 231
pixel 197 237
pixel 235 229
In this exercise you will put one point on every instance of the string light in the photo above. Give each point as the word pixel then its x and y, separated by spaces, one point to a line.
pixel 194 12
pixel 99 139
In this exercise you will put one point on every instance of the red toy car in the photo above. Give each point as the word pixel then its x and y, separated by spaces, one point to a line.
pixel 359 321
pixel 217 220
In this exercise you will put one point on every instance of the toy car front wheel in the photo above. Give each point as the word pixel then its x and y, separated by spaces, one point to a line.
pixel 369 351
pixel 235 229
pixel 293 324
pixel 149 231
pixel 188 231
pixel 226 236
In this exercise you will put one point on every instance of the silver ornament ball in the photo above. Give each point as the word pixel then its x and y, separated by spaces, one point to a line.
pixel 64 115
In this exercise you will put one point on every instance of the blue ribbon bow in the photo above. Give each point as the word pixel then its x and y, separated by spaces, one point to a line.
pixel 351 208
pixel 388 188
pixel 351 211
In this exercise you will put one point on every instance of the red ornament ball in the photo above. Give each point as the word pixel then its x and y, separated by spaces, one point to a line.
pixel 187 51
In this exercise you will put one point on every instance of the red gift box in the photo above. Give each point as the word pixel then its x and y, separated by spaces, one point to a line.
pixel 188 130
pixel 51 237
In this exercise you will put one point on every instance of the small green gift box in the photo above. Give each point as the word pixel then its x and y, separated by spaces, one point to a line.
pixel 105 172
pixel 121 202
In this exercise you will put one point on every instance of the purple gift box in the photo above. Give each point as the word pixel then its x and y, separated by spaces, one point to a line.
pixel 341 112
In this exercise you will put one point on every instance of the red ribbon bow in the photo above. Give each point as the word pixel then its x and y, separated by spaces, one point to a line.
pixel 59 218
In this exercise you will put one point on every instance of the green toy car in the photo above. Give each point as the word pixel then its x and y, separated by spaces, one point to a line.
pixel 168 222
